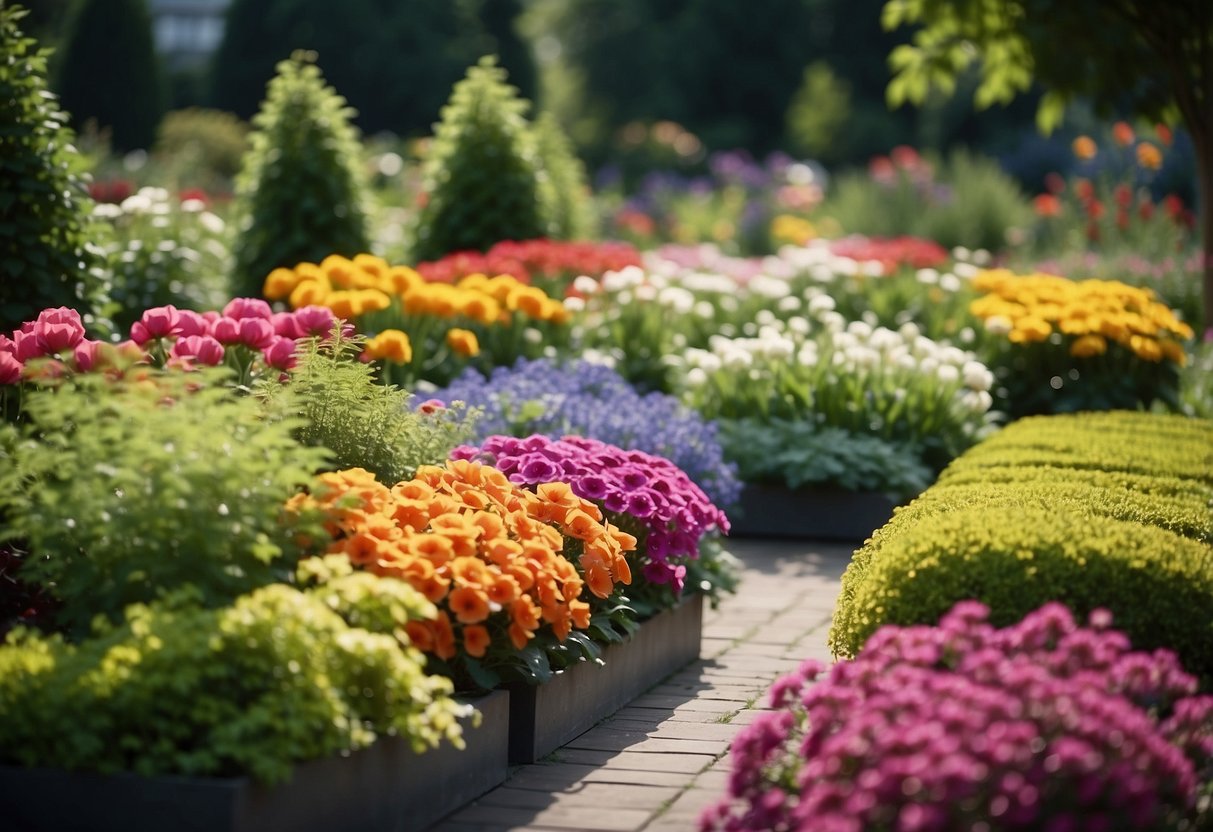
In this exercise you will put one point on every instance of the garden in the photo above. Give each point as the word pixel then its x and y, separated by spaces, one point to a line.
pixel 341 472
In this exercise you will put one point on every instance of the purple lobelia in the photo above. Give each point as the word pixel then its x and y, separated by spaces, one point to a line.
pixel 1042 726
pixel 648 495
pixel 584 399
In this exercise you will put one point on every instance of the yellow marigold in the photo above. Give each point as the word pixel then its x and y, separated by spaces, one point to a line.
pixel 280 283
pixel 500 287
pixel 463 342
pixel 1084 147
pixel 339 270
pixel 343 303
pixel 371 264
pixel 528 300
pixel 479 307
pixel 1173 351
pixel 1029 329
pixel 1149 156
pixel 390 345
pixel 787 228
pixel 1088 345
pixel 310 293
pixel 1146 348
pixel 402 279
pixel 474 282
pixel 372 300
pixel 555 312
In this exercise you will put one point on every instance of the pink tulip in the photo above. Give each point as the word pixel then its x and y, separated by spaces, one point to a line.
pixel 280 354
pixel 241 308
pixel 58 329
pixel 226 330
pixel 203 348
pixel 286 325
pixel 315 320
pixel 190 322
pixel 159 322
pixel 256 333
pixel 86 355
pixel 10 368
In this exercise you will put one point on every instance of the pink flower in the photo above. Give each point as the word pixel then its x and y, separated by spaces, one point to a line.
pixel 242 308
pixel 203 348
pixel 315 320
pixel 190 322
pixel 280 354
pixel 58 329
pixel 159 322
pixel 256 333
pixel 10 368
pixel 226 330
pixel 25 345
pixel 286 325
pixel 431 406
pixel 86 355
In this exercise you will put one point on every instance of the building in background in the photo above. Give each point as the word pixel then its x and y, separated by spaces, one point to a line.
pixel 187 32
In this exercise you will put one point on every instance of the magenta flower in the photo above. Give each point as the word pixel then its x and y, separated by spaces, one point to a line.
pixel 190 322
pixel 57 330
pixel 85 355
pixel 256 333
pixel 202 348
pixel 10 368
pixel 160 322
pixel 243 308
pixel 280 353
pixel 25 345
pixel 286 325
pixel 315 320
pixel 431 406
pixel 227 330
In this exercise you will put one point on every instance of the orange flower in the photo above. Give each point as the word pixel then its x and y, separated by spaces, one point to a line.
pixel 362 549
pixel 598 577
pixel 520 635
pixel 1164 134
pixel 1088 345
pixel 475 640
pixel 579 611
pixel 435 548
pixel 444 637
pixel 280 283
pixel 470 605
pixel 1047 205
pixel 1122 133
pixel 391 345
pixel 524 613
pixel 1149 156
pixel 421 635
pixel 463 342
pixel 1084 148
pixel 504 590
pixel 469 571
pixel 309 293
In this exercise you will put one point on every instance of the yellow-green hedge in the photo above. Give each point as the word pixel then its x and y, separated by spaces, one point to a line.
pixel 1135 539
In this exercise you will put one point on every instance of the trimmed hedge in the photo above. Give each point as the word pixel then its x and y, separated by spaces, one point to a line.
pixel 1109 510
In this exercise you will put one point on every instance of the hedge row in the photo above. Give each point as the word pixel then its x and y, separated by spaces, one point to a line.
pixel 1111 510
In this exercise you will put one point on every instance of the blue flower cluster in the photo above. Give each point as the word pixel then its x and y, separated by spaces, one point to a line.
pixel 583 399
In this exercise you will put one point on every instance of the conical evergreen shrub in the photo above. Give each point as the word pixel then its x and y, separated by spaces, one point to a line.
pixel 110 72
pixel 482 174
pixel 300 193
pixel 564 190
pixel 44 207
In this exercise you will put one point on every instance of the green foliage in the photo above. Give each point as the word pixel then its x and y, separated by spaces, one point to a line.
pixel 43 204
pixel 482 173
pixel 275 679
pixel 800 453
pixel 817 113
pixel 205 148
pixel 1196 382
pixel 1092 510
pixel 300 193
pixel 110 73
pixel 125 490
pixel 363 423
pixel 563 185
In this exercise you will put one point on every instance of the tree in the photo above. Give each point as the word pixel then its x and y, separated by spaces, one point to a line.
pixel 44 207
pixel 110 72
pixel 1149 58
pixel 482 175
pixel 564 191
pixel 300 194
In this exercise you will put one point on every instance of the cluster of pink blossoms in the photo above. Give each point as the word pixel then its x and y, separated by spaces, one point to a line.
pixel 1043 726
pixel 178 336
pixel 672 513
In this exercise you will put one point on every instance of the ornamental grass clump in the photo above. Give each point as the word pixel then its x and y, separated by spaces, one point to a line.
pixel 647 496
pixel 503 565
pixel 1061 345
pixel 1043 725
pixel 579 398
pixel 277 678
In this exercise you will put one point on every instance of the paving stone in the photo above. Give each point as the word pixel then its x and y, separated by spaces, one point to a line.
pixel 680 730
pixel 563 776
pixel 636 760
pixel 681 703
pixel 587 794
pixel 558 817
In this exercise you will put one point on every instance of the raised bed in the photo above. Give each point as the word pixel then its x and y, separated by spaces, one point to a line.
pixel 810 513
pixel 384 788
pixel 546 717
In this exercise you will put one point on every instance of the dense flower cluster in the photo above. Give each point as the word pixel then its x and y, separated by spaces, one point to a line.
pixel 489 554
pixel 892 253
pixel 584 399
pixel 646 492
pixel 1043 725
pixel 247 331
pixel 534 261
pixel 1090 313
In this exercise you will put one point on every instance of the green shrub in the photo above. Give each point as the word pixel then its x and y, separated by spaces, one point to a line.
pixel 126 490
pixel 482 173
pixel 277 678
pixel 363 423
pixel 110 73
pixel 300 194
pixel 43 204
pixel 1016 557
pixel 566 195
pixel 202 148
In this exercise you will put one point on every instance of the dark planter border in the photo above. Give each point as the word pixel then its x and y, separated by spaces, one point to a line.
pixel 546 717
pixel 810 513
pixel 384 788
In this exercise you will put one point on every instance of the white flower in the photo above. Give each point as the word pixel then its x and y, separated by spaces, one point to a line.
pixel 966 270
pixel 704 309
pixel 136 204
pixel 574 303
pixel 821 303
pixel 799 325
pixel 909 331
pixel 806 356
pixel 863 356
pixel 679 300
pixel 927 277
pixel 212 222
pixel 646 293
pixel 860 329
pixel 586 285
pixel 696 377
pixel 768 287
pixel 998 325
pixel 107 210
pixel 950 282
pixel 948 373
pixel 961 253
pixel 977 376
pixel 978 401
pixel 765 317
pixel 832 321
pixel 736 359
pixel 192 206
pixel 789 304
pixel 928 365
pixel 532 335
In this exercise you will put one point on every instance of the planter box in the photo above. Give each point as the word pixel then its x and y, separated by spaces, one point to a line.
pixel 384 788
pixel 810 513
pixel 546 717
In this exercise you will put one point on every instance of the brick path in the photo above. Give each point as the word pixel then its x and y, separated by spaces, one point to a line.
pixel 658 762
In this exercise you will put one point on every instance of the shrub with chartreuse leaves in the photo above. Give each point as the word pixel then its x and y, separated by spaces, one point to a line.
pixel 482 173
pixel 125 487
pixel 44 207
pixel 300 192
pixel 1042 725
pixel 279 677
pixel 563 185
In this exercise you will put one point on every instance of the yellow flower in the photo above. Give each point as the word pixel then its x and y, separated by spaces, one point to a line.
pixel 280 283
pixel 479 307
pixel 1149 156
pixel 372 300
pixel 786 228
pixel 1146 348
pixel 403 279
pixel 391 345
pixel 339 270
pixel 310 293
pixel 371 264
pixel 344 304
pixel 1084 147
pixel 528 300
pixel 1028 329
pixel 1173 351
pixel 463 342
pixel 1088 345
